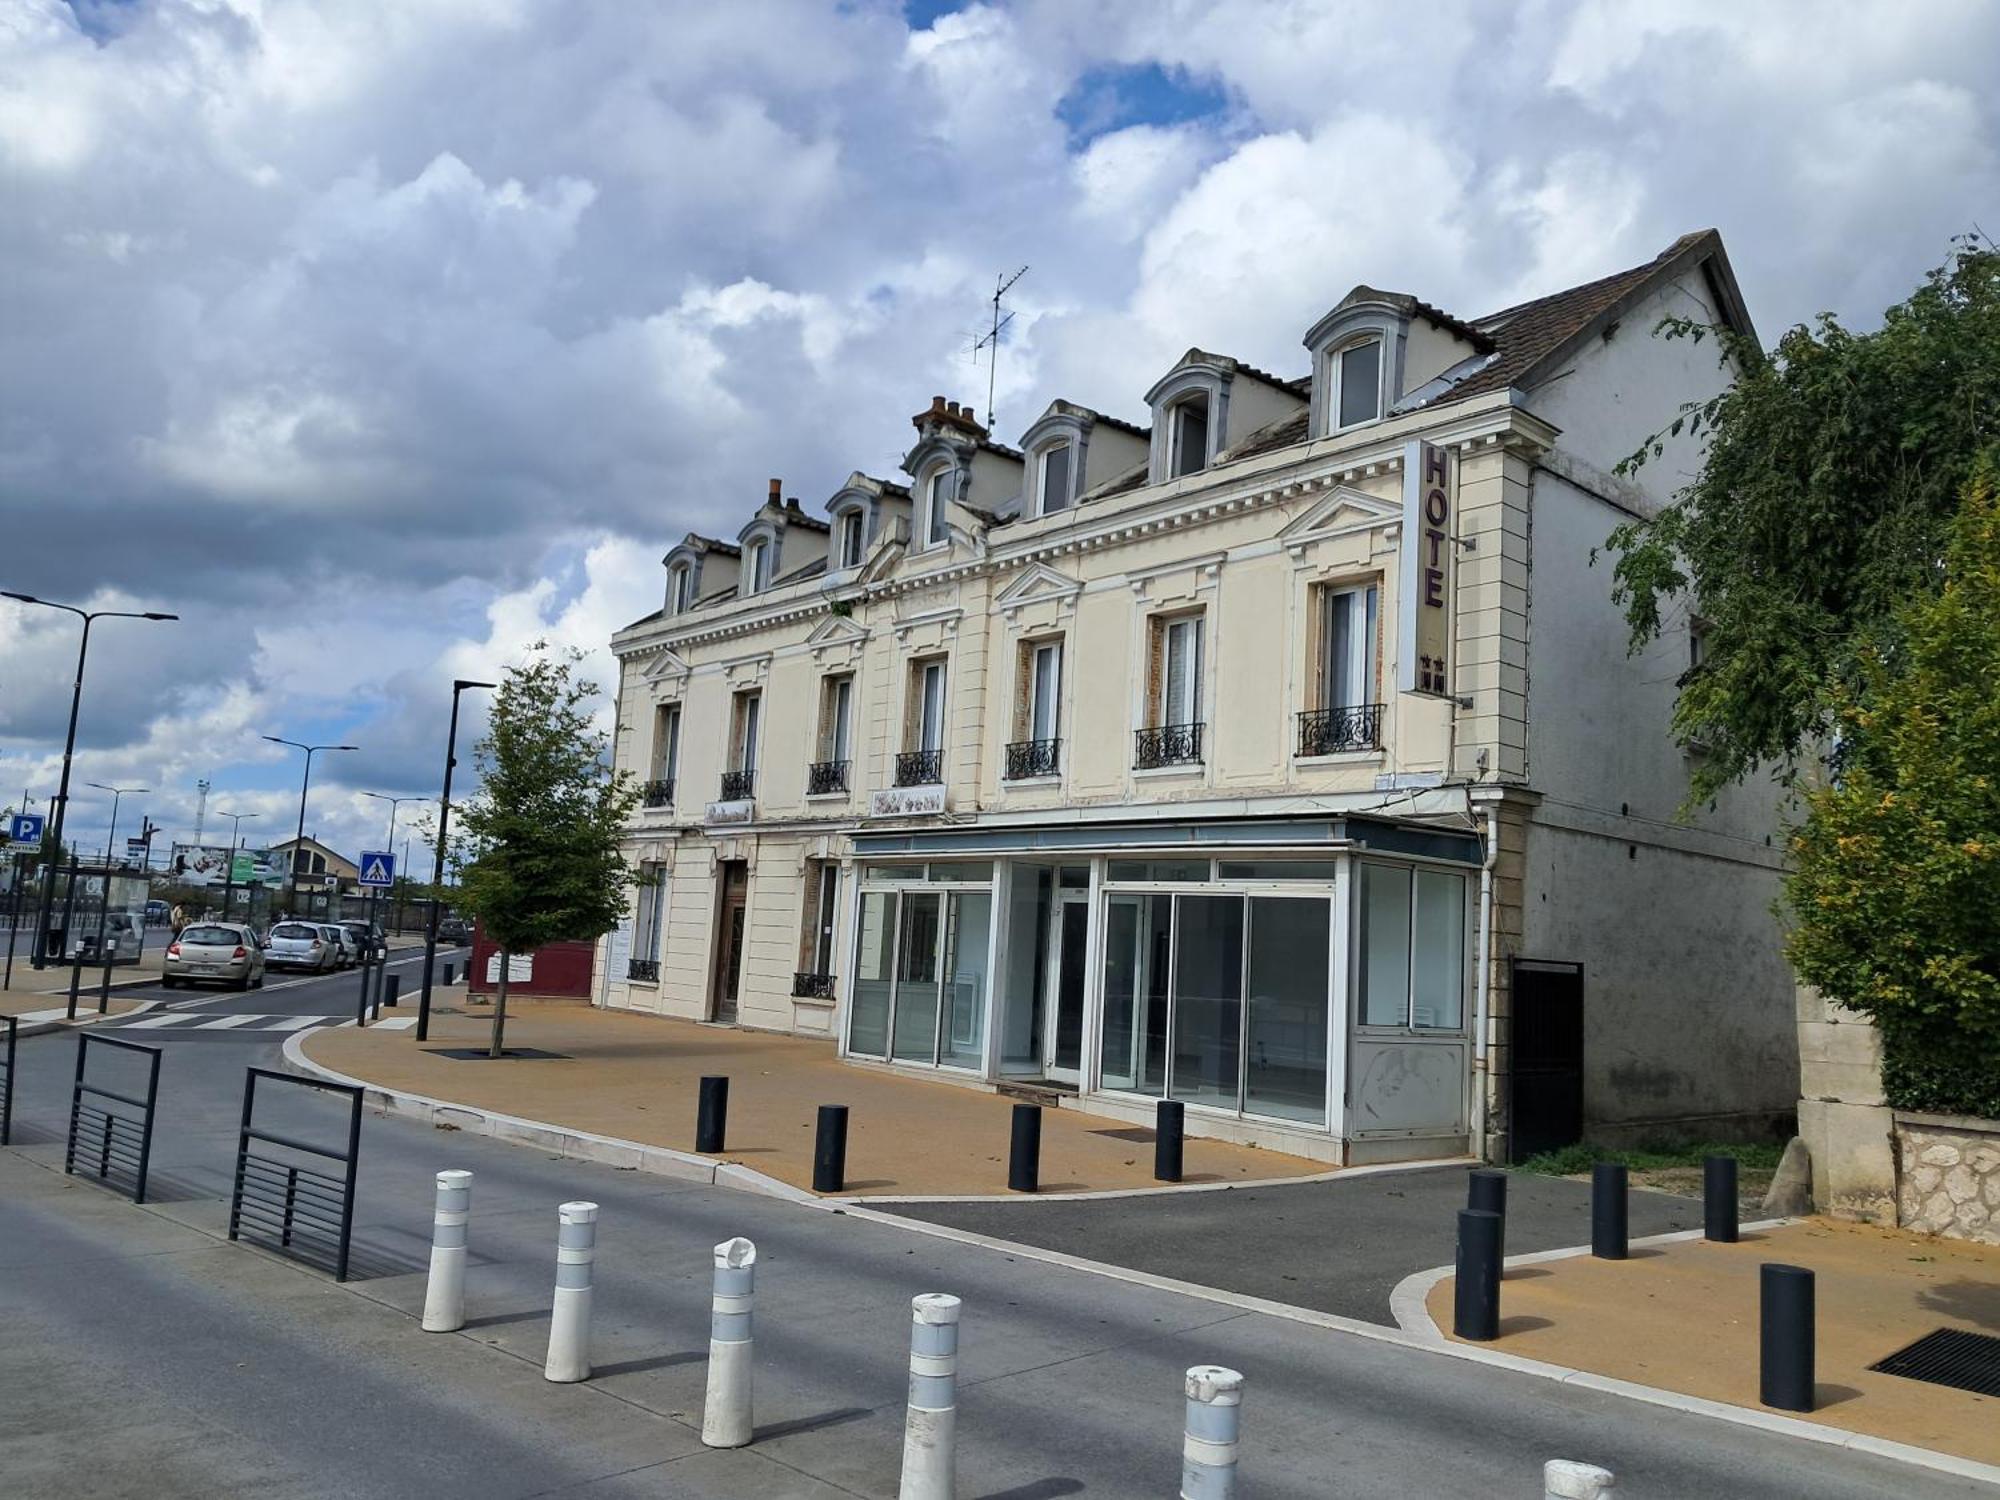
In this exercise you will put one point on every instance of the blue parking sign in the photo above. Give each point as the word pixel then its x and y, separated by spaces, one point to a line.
pixel 25 828
pixel 378 870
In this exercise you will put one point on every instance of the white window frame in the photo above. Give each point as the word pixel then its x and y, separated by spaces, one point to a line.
pixel 825 899
pixel 1180 636
pixel 1412 874
pixel 677 588
pixel 1045 691
pixel 937 530
pixel 1175 435
pixel 854 529
pixel 840 717
pixel 666 767
pixel 1048 501
pixel 931 705
pixel 1347 601
pixel 749 721
pixel 1336 361
pixel 650 920
pixel 758 567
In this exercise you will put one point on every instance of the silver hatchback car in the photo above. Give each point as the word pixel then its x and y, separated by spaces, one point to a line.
pixel 214 953
pixel 300 945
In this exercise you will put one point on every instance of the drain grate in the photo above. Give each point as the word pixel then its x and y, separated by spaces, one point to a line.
pixel 1951 1356
pixel 1137 1134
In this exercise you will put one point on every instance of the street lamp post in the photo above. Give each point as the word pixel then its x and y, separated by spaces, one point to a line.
pixel 305 781
pixel 229 870
pixel 437 867
pixel 395 806
pixel 111 838
pixel 61 799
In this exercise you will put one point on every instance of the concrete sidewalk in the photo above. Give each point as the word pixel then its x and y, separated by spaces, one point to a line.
pixel 1684 1317
pixel 637 1078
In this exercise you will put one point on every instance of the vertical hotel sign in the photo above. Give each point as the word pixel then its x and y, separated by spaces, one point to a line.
pixel 1430 503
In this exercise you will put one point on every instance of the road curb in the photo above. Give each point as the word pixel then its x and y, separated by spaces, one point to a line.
pixel 42 1028
pixel 662 1161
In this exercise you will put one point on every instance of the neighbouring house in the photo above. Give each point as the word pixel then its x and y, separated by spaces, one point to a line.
pixel 1279 753
pixel 309 857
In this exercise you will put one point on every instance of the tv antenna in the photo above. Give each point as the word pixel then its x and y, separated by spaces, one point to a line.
pixel 991 338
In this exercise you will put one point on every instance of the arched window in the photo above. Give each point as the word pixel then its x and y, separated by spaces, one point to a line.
pixel 1355 373
pixel 937 491
pixel 757 568
pixel 677 589
pixel 1188 434
pixel 1053 478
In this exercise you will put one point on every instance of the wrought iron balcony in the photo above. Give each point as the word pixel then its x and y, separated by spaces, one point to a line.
pixel 738 786
pixel 812 986
pixel 1027 758
pixel 920 768
pixel 658 792
pixel 1167 745
pixel 1330 731
pixel 825 777
pixel 647 970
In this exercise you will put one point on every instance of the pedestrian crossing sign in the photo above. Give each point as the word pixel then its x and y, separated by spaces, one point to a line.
pixel 378 870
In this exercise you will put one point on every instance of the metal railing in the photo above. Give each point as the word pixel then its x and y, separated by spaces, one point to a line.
pixel 919 767
pixel 824 777
pixel 1166 745
pixel 807 986
pixel 646 970
pixel 7 1082
pixel 123 1146
pixel 659 792
pixel 289 1207
pixel 1027 758
pixel 1330 731
pixel 738 786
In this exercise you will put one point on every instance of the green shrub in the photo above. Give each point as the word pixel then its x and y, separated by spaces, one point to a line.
pixel 1569 1161
pixel 1938 1075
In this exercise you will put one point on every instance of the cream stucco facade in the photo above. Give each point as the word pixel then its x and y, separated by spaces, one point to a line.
pixel 1102 769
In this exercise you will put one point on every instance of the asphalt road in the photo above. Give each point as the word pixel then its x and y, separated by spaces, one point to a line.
pixel 145 1356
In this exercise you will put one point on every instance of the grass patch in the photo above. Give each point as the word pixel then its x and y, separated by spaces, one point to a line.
pixel 1572 1161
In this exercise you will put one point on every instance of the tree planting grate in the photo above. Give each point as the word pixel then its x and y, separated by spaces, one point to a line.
pixel 1137 1134
pixel 1951 1356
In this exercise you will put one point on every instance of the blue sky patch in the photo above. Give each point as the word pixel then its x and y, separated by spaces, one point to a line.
pixel 1115 95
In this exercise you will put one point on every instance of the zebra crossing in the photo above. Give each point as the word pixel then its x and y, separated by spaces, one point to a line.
pixel 197 1021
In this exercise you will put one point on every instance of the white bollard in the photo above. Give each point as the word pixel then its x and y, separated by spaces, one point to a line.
pixel 930 1431
pixel 1566 1479
pixel 726 1413
pixel 444 1294
pixel 1208 1445
pixel 569 1321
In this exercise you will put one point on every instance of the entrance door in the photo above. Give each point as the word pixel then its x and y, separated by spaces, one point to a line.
pixel 1546 1058
pixel 732 899
pixel 1063 1047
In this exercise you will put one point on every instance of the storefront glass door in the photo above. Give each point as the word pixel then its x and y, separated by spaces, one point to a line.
pixel 1067 972
pixel 920 976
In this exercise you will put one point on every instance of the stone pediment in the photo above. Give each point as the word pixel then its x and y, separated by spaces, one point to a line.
pixel 1037 583
pixel 665 664
pixel 1342 511
pixel 837 630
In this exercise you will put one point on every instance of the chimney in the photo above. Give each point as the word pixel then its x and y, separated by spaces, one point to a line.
pixel 777 491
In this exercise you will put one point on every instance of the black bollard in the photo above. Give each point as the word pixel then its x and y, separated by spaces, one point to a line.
pixel 1475 1298
pixel 711 1122
pixel 1608 1231
pixel 1024 1151
pixel 830 1150
pixel 1169 1136
pixel 392 988
pixel 1486 1190
pixel 1785 1376
pixel 1718 1198
pixel 449 970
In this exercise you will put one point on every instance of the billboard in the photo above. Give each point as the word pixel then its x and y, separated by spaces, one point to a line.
pixel 209 864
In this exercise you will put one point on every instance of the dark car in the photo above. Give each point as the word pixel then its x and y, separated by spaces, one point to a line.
pixel 454 930
pixel 369 938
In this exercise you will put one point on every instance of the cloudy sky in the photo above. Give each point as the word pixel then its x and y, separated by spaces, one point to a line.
pixel 377 338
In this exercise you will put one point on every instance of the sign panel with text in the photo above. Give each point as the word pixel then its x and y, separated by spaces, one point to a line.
pixel 1430 524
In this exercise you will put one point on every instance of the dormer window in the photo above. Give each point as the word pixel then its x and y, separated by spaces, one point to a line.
pixel 1052 478
pixel 850 532
pixel 677 589
pixel 1188 434
pixel 937 491
pixel 1357 384
pixel 757 567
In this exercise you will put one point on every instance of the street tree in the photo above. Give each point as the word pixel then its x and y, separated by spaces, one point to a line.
pixel 1895 887
pixel 540 838
pixel 1832 470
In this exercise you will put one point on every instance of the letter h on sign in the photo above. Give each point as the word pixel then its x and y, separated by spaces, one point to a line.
pixel 1424 635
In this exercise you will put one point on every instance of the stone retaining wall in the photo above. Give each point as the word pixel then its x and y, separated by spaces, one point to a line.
pixel 1948 1175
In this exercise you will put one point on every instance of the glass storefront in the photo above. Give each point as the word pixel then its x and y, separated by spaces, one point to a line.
pixel 1209 981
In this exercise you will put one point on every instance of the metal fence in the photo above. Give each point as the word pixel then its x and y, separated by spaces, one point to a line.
pixel 300 1211
pixel 112 1146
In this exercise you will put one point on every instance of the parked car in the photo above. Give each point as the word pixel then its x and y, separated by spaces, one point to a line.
pixel 454 930
pixel 121 936
pixel 347 951
pixel 369 938
pixel 300 945
pixel 214 952
pixel 157 913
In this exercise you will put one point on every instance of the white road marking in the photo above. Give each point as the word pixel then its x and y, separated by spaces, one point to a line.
pixel 225 1022
pixel 299 1023
pixel 399 1023
pixel 154 1023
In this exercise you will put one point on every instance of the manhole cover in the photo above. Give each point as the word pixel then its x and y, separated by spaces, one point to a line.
pixel 1951 1356
pixel 1136 1133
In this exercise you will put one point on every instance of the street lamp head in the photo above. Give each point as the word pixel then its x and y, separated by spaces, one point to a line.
pixel 24 598
pixel 156 615
pixel 460 684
